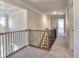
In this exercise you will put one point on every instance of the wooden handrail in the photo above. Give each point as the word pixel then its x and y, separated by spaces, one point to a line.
pixel 20 31
pixel 37 30
pixel 13 32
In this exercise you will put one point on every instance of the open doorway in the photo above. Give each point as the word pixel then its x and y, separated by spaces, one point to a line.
pixel 60 29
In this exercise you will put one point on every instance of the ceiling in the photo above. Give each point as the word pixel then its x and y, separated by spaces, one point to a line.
pixel 47 6
pixel 7 9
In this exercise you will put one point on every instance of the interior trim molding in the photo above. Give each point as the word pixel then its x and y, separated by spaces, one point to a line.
pixel 23 5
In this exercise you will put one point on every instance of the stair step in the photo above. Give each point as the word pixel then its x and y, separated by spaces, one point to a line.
pixel 44 48
pixel 44 45
pixel 45 42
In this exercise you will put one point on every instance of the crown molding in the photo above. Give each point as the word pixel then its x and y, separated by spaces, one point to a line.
pixel 22 4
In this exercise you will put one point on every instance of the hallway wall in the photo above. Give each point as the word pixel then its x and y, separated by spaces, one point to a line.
pixel 69 25
pixel 48 22
pixel 3 27
pixel 54 22
pixel 76 27
pixel 17 20
pixel 35 21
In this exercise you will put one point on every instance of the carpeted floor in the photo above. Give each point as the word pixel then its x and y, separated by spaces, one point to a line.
pixel 58 50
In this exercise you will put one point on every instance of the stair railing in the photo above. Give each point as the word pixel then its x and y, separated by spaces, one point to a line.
pixel 42 40
pixel 35 37
pixel 44 44
pixel 11 42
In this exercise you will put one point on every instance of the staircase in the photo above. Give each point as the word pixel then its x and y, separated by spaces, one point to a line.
pixel 45 42
pixel 48 39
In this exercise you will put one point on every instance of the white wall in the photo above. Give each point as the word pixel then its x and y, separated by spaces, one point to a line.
pixel 17 20
pixel 69 25
pixel 48 23
pixel 4 24
pixel 54 22
pixel 35 21
pixel 76 27
pixel 73 26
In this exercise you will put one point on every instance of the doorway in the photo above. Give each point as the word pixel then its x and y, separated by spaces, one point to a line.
pixel 60 30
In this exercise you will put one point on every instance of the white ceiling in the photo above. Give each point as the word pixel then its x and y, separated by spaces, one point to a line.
pixel 7 9
pixel 47 6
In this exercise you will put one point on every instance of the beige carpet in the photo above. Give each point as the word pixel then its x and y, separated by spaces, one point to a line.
pixel 59 50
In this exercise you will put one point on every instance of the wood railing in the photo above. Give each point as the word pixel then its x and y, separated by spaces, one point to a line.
pixel 2 33
pixel 10 42
pixel 35 37
pixel 42 39
pixel 52 37
pixel 48 39
pixel 44 44
pixel 36 30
